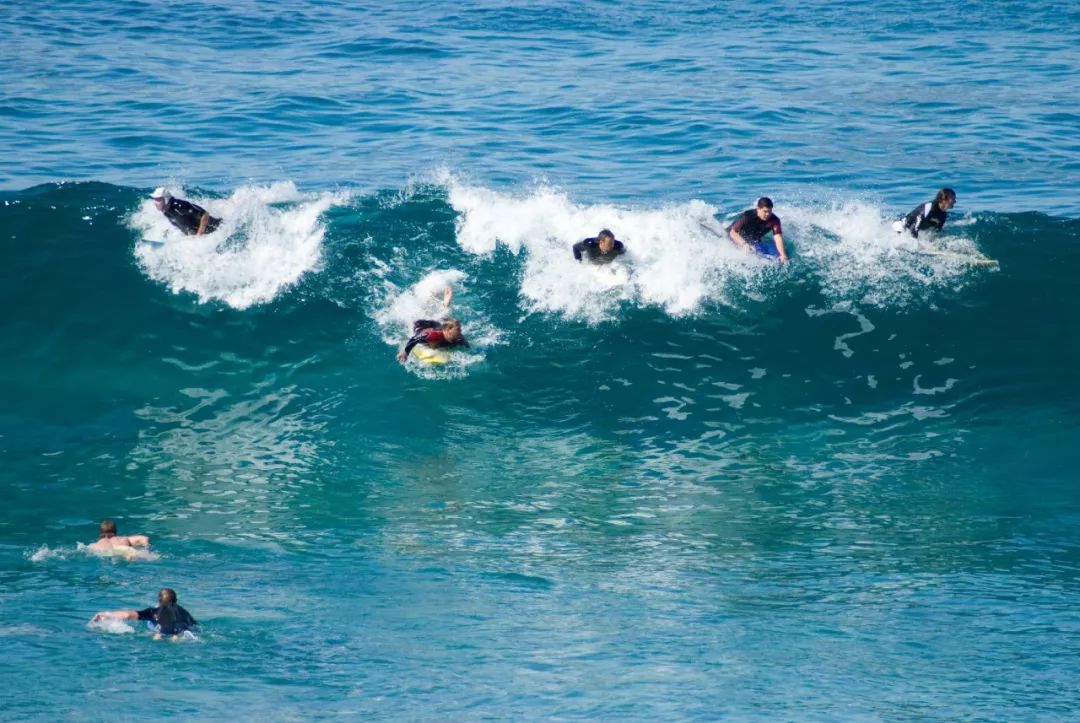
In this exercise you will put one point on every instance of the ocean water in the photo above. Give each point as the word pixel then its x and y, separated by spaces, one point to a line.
pixel 694 485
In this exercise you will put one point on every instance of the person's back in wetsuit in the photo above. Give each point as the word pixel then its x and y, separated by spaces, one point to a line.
pixel 186 216
pixel 169 619
pixel 600 249
pixel 182 214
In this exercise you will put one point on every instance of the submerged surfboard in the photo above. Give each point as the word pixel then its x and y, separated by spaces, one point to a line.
pixel 972 259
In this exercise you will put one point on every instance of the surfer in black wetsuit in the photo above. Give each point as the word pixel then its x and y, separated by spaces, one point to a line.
pixel 185 215
pixel 930 215
pixel 601 249
pixel 168 617
pixel 749 229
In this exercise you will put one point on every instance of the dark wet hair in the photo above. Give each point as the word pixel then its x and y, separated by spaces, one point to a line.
pixel 764 202
pixel 605 233
pixel 945 194
pixel 108 528
pixel 166 619
pixel 167 596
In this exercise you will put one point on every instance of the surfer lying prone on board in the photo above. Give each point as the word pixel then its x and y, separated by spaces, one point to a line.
pixel 601 249
pixel 110 541
pixel 167 619
pixel 435 335
pixel 749 229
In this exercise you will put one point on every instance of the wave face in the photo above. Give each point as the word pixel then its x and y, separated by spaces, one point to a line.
pixel 695 450
pixel 691 485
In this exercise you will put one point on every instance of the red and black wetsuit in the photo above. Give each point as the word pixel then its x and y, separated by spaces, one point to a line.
pixel 752 228
pixel 429 333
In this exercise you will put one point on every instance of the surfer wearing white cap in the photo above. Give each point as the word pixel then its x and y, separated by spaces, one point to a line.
pixel 185 215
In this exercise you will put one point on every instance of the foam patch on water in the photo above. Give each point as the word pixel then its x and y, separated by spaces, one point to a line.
pixel 677 256
pixel 45 553
pixel 399 308
pixel 680 259
pixel 854 249
pixel 269 237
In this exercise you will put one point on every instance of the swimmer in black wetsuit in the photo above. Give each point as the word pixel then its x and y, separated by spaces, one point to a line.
pixel 168 617
pixel 185 215
pixel 601 249
pixel 930 215
pixel 750 228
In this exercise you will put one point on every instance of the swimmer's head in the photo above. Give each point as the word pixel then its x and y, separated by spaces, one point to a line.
pixel 108 528
pixel 946 198
pixel 160 196
pixel 605 240
pixel 764 208
pixel 451 329
pixel 166 597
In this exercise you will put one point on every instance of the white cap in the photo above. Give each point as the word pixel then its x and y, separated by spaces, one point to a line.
pixel 159 192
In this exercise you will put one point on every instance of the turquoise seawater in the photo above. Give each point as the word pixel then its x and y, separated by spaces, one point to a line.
pixel 694 486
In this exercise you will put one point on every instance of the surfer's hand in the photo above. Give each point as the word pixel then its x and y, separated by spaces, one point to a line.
pixel 401 356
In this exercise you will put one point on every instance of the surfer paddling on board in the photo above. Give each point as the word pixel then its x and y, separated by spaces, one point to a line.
pixel 191 219
pixel 109 541
pixel 749 229
pixel 930 215
pixel 601 249
pixel 435 334
pixel 167 619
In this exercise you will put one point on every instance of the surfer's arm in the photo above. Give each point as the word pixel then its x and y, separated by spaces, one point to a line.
pixel 738 239
pixel 779 240
pixel 138 540
pixel 578 248
pixel 914 219
pixel 416 339
pixel 734 235
pixel 116 615
pixel 203 221
pixel 448 295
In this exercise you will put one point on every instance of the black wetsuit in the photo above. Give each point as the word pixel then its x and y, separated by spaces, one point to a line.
pixel 925 216
pixel 752 228
pixel 186 216
pixel 169 622
pixel 591 248
pixel 429 333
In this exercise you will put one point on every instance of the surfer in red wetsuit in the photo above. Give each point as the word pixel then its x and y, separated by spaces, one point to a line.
pixel 435 334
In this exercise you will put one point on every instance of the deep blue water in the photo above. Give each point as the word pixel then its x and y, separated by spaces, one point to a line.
pixel 693 486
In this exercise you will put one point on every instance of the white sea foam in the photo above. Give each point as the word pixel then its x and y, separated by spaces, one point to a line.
pixel 676 255
pixel 679 259
pixel 45 553
pixel 270 236
pixel 854 249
